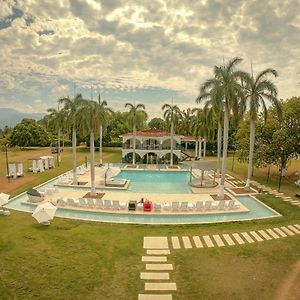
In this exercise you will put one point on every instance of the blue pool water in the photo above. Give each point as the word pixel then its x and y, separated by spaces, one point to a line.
pixel 163 182
pixel 153 182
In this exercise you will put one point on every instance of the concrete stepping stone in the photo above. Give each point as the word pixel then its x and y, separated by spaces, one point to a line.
pixel 238 238
pixel 154 258
pixel 264 235
pixel 197 241
pixel 295 204
pixel 247 237
pixel 297 225
pixel 280 232
pixel 154 276
pixel 256 236
pixel 287 231
pixel 272 234
pixel 160 286
pixel 175 242
pixel 159 267
pixel 228 239
pixel 208 241
pixel 156 242
pixel 154 297
pixel 294 229
pixel 158 252
pixel 186 242
pixel 218 240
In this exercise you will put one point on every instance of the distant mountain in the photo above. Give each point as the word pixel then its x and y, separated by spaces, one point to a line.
pixel 10 117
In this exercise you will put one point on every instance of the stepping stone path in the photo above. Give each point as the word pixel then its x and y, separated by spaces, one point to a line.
pixel 157 249
pixel 157 276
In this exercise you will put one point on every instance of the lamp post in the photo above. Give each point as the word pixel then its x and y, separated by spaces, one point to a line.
pixel 6 157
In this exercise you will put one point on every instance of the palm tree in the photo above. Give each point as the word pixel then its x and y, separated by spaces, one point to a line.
pixel 57 120
pixel 135 112
pixel 257 91
pixel 89 122
pixel 103 112
pixel 171 115
pixel 185 124
pixel 71 106
pixel 213 99
pixel 226 82
pixel 203 124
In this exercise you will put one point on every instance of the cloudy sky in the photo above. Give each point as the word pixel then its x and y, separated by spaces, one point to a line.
pixel 144 51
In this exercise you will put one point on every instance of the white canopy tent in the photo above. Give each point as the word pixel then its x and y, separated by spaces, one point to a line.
pixel 44 213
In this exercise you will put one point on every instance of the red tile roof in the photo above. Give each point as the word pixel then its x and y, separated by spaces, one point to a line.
pixel 150 133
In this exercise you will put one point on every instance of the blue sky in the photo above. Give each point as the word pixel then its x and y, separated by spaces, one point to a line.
pixel 142 51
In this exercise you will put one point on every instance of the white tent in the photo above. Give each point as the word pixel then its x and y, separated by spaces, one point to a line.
pixel 44 213
pixel 3 199
pixel 12 170
pixel 45 160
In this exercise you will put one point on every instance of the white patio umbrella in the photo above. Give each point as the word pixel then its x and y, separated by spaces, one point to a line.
pixel 3 199
pixel 44 212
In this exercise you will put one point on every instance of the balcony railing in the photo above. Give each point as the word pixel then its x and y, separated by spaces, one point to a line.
pixel 151 147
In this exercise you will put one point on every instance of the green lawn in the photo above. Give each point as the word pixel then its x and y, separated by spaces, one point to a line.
pixel 85 260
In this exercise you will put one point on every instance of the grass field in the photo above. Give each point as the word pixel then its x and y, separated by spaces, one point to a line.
pixel 85 260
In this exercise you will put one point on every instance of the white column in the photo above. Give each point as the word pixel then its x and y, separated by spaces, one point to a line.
pixel 196 148
pixel 200 148
pixel 185 145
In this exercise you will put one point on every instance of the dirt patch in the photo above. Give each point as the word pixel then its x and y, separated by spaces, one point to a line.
pixel 173 167
pixel 97 196
pixel 226 197
pixel 82 182
pixel 243 191
pixel 290 288
pixel 131 167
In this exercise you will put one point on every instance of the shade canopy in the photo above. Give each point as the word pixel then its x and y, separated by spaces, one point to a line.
pixel 3 199
pixel 33 192
pixel 44 212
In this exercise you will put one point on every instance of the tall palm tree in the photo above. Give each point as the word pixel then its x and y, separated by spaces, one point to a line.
pixel 171 115
pixel 227 82
pixel 257 91
pixel 135 112
pixel 213 99
pixel 103 113
pixel 57 120
pixel 89 122
pixel 71 106
pixel 185 124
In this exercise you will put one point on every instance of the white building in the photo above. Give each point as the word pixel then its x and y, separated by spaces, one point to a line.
pixel 152 146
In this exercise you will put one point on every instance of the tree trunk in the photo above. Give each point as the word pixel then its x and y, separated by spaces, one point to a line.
pixel 172 142
pixel 92 158
pixel 225 144
pixel 134 144
pixel 74 155
pixel 219 147
pixel 204 149
pixel 200 149
pixel 58 146
pixel 251 151
pixel 100 144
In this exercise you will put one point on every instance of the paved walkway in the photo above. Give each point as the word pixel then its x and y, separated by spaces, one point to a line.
pixel 156 276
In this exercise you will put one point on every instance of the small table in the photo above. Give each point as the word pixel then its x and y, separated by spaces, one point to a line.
pixel 132 205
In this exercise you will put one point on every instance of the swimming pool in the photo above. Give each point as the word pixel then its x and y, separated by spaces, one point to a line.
pixel 163 182
pixel 257 210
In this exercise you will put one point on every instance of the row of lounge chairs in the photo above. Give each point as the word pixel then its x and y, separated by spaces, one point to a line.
pixel 132 205
pixel 92 203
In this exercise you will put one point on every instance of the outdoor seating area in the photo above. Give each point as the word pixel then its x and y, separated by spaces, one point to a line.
pixel 40 164
pixel 15 169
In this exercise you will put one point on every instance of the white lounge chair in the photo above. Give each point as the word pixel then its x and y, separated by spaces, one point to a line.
pixel 167 206
pixel 221 205
pixel 99 203
pixel 232 205
pixel 157 207
pixel 117 205
pixel 175 206
pixel 208 205
pixel 61 202
pixel 108 204
pixel 90 202
pixel 71 202
pixel 184 206
pixel 199 205
pixel 82 202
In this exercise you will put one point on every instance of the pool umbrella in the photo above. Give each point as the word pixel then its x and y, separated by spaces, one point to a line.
pixel 3 199
pixel 44 212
